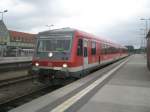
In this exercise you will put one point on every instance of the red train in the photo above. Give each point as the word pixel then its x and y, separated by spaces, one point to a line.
pixel 68 52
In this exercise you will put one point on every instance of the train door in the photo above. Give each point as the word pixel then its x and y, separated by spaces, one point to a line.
pixel 85 53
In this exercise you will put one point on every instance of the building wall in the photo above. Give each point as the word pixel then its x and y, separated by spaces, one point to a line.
pixel 20 39
pixel 14 43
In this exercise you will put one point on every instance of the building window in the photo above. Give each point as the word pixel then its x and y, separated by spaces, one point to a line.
pixel 19 38
pixel 24 39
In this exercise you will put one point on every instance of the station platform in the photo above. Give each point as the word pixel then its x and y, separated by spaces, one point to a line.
pixel 120 87
pixel 127 91
pixel 4 60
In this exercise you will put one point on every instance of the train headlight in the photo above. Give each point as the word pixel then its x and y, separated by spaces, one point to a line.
pixel 64 65
pixel 36 64
pixel 50 54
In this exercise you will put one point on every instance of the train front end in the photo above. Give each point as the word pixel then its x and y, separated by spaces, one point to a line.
pixel 52 55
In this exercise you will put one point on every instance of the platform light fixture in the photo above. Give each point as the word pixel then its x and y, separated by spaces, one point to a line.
pixel 3 13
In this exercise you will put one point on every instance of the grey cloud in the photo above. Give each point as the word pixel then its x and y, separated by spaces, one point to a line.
pixel 42 15
pixel 51 11
pixel 127 33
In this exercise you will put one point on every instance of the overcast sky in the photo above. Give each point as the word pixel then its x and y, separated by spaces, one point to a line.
pixel 118 20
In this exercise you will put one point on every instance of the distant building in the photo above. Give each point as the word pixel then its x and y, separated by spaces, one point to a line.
pixel 130 48
pixel 14 43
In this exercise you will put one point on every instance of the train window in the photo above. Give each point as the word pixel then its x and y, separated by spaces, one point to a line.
pixel 105 49
pixel 80 47
pixel 93 49
pixel 116 50
pixel 54 45
pixel 102 48
pixel 85 51
pixel 63 44
pixel 111 49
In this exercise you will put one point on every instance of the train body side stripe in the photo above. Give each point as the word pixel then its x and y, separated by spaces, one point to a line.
pixel 79 68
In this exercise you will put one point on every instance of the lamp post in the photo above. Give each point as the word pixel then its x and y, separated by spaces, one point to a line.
pixel 146 24
pixel 146 29
pixel 49 26
pixel 3 13
pixel 143 38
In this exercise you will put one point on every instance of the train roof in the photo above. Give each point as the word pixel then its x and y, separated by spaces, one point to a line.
pixel 61 30
pixel 72 30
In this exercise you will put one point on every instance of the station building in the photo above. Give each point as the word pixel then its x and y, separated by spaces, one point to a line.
pixel 14 43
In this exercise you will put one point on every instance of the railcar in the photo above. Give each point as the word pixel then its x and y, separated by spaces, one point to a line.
pixel 67 52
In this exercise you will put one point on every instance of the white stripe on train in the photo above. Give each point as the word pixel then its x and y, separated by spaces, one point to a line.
pixel 79 68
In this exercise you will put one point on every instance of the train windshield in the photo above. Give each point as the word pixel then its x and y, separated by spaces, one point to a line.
pixel 46 45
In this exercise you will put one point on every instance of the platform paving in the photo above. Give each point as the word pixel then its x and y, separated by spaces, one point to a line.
pixel 127 91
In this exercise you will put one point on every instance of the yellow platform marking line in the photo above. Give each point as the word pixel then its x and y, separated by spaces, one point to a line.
pixel 66 104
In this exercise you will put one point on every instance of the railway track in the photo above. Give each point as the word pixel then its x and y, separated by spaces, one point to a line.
pixel 24 98
pixel 20 100
pixel 15 80
pixel 8 102
pixel 5 67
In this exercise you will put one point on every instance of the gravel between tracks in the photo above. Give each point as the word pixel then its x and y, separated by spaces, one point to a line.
pixel 18 89
pixel 13 74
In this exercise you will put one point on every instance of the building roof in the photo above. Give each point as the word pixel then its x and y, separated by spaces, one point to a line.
pixel 20 34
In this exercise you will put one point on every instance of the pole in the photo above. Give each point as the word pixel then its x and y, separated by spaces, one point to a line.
pixel 146 27
pixel 2 15
pixel 146 31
